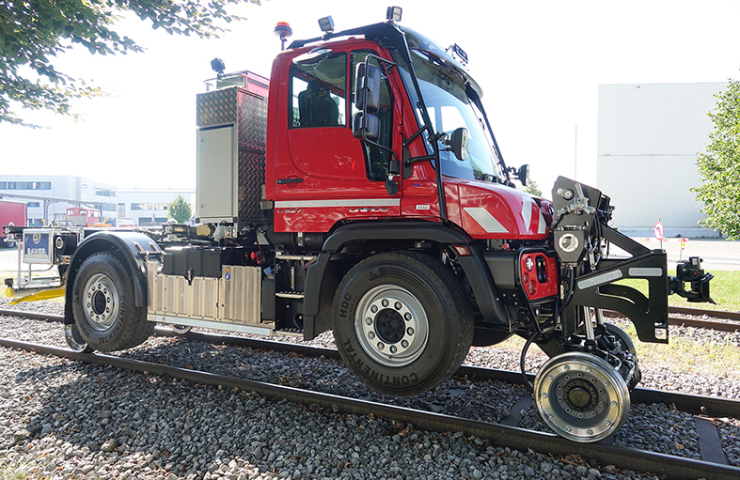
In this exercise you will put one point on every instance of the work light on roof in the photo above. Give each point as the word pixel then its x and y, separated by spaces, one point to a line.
pixel 326 24
pixel 394 14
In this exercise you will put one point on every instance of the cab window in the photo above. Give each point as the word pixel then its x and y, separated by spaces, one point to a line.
pixel 319 93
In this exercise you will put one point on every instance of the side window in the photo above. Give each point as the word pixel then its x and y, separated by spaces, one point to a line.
pixel 319 93
pixel 377 159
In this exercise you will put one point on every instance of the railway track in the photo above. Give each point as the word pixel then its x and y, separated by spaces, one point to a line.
pixel 501 434
pixel 504 433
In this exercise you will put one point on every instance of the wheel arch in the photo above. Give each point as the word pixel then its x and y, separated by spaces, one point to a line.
pixel 128 246
pixel 371 233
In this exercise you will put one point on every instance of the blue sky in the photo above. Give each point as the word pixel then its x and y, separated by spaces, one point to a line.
pixel 539 63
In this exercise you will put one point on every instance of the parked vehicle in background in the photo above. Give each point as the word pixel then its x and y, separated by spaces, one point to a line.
pixel 12 212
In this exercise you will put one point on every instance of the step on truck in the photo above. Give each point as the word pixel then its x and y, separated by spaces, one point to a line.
pixel 365 194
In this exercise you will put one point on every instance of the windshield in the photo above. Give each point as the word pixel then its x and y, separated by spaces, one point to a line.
pixel 443 87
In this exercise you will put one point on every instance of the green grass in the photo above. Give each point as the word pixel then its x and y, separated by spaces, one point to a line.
pixel 724 289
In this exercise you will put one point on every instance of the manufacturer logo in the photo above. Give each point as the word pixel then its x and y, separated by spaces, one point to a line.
pixel 36 237
pixel 368 210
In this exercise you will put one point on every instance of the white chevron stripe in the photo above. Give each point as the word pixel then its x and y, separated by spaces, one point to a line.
pixel 527 212
pixel 486 220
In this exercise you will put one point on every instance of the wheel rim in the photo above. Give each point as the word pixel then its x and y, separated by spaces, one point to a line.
pixel 101 302
pixel 391 325
pixel 581 397
pixel 74 339
pixel 181 329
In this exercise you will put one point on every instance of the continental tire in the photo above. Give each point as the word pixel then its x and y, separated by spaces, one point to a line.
pixel 402 322
pixel 104 310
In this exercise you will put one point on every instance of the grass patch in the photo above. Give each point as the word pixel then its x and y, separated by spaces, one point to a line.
pixel 714 356
pixel 725 290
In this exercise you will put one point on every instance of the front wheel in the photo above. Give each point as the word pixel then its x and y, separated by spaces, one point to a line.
pixel 105 314
pixel 581 397
pixel 402 322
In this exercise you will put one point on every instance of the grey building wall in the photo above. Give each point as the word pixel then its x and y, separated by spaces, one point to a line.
pixel 648 138
pixel 45 195
pixel 145 207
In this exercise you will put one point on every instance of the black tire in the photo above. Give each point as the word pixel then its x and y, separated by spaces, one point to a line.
pixel 104 310
pixel 402 291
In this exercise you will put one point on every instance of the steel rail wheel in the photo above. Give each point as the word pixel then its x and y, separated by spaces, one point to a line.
pixel 581 397
pixel 402 322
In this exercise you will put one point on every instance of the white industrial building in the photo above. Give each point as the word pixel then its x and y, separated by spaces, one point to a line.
pixel 149 207
pixel 49 196
pixel 648 139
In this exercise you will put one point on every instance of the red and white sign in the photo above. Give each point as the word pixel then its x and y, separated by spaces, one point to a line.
pixel 658 230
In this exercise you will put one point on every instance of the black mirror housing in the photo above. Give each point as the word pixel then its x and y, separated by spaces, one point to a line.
pixel 369 123
pixel 367 87
pixel 458 141
pixel 523 174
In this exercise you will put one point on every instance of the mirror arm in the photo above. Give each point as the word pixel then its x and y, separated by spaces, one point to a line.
pixel 423 158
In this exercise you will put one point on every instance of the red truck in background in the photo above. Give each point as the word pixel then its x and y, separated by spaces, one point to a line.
pixel 12 212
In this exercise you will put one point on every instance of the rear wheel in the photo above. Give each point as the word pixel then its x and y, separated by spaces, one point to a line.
pixel 402 322
pixel 104 311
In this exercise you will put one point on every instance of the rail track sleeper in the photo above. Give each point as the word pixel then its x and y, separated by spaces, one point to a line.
pixel 710 442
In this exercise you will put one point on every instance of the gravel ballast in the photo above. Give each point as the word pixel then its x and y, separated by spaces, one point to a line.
pixel 68 420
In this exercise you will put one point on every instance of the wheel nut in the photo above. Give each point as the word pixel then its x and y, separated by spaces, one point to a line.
pixel 405 344
pixel 614 403
pixel 407 316
pixel 385 302
pixel 368 321
pixel 394 349
pixel 371 335
pixel 374 309
pixel 410 331
pixel 398 305
pixel 381 346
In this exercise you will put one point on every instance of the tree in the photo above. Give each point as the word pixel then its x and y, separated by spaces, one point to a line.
pixel 532 188
pixel 719 167
pixel 33 32
pixel 179 209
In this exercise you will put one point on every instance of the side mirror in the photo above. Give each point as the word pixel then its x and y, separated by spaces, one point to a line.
pixel 367 87
pixel 523 174
pixel 458 142
pixel 369 123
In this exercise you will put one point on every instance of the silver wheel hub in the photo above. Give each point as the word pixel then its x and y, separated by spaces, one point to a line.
pixel 101 304
pixel 391 325
pixel 581 397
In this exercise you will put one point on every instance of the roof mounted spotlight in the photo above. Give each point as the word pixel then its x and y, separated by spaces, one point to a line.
pixel 218 66
pixel 283 30
pixel 393 14
pixel 326 24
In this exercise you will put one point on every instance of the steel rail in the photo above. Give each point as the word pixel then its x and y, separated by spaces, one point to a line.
pixel 500 435
pixel 689 403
